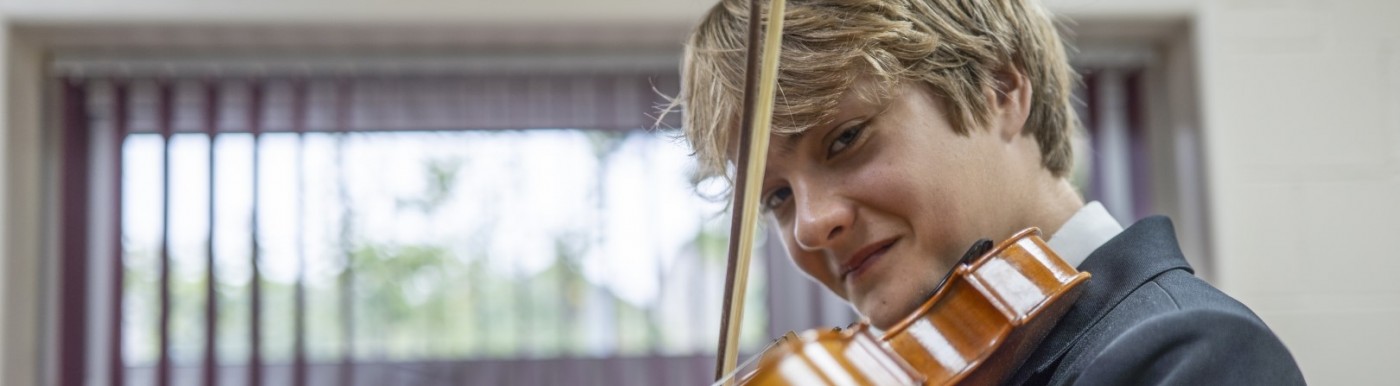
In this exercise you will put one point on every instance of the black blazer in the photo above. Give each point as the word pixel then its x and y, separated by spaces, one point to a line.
pixel 1144 318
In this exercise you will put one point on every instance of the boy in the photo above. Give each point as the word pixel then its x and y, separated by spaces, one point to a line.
pixel 905 130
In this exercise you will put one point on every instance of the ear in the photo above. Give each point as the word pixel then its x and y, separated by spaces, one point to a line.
pixel 1010 101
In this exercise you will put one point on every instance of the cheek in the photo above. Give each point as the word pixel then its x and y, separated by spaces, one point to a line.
pixel 927 201
pixel 813 264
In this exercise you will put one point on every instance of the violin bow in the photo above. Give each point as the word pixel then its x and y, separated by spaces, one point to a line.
pixel 752 159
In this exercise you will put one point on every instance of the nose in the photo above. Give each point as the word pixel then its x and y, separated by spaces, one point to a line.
pixel 822 218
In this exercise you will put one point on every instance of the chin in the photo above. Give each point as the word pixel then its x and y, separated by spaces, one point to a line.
pixel 884 322
pixel 884 316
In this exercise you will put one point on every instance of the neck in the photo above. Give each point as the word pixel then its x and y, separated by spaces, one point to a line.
pixel 1057 202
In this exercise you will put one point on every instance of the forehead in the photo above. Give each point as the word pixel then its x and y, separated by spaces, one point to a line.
pixel 865 96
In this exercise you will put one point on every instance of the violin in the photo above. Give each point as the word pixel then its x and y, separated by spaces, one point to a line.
pixel 977 328
pixel 985 318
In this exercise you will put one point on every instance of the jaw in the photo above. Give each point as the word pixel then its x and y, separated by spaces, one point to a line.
pixel 887 306
pixel 884 315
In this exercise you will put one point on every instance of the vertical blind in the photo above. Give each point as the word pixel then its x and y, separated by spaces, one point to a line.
pixel 137 149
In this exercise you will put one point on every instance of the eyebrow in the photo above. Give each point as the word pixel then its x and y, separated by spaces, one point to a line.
pixel 788 143
pixel 785 145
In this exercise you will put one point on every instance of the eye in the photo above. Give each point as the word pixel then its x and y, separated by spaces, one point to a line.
pixel 776 198
pixel 847 137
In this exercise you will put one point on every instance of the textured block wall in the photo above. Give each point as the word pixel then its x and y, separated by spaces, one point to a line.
pixel 1301 105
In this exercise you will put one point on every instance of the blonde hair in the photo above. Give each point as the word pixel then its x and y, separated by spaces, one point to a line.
pixel 955 47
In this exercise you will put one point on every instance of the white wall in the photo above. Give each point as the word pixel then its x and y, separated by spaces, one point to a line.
pixel 1300 103
pixel 20 221
pixel 1302 109
pixel 355 11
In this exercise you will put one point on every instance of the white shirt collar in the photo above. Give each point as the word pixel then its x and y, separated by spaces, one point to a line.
pixel 1086 231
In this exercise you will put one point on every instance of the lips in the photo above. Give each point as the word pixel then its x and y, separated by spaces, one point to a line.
pixel 865 257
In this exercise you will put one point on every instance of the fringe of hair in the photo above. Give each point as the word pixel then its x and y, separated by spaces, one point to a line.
pixel 956 47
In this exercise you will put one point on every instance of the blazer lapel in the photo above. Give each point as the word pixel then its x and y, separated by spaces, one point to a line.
pixel 1129 260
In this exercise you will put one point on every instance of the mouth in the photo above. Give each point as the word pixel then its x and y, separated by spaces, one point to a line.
pixel 864 258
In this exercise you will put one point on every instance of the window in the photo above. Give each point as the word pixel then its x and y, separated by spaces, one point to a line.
pixel 360 234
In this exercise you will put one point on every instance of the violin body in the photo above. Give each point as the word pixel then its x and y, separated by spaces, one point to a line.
pixel 977 328
pixel 832 357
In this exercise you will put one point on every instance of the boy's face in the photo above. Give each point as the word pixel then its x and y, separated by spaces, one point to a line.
pixel 879 204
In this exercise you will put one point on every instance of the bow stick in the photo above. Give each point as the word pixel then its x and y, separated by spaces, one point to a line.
pixel 753 150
